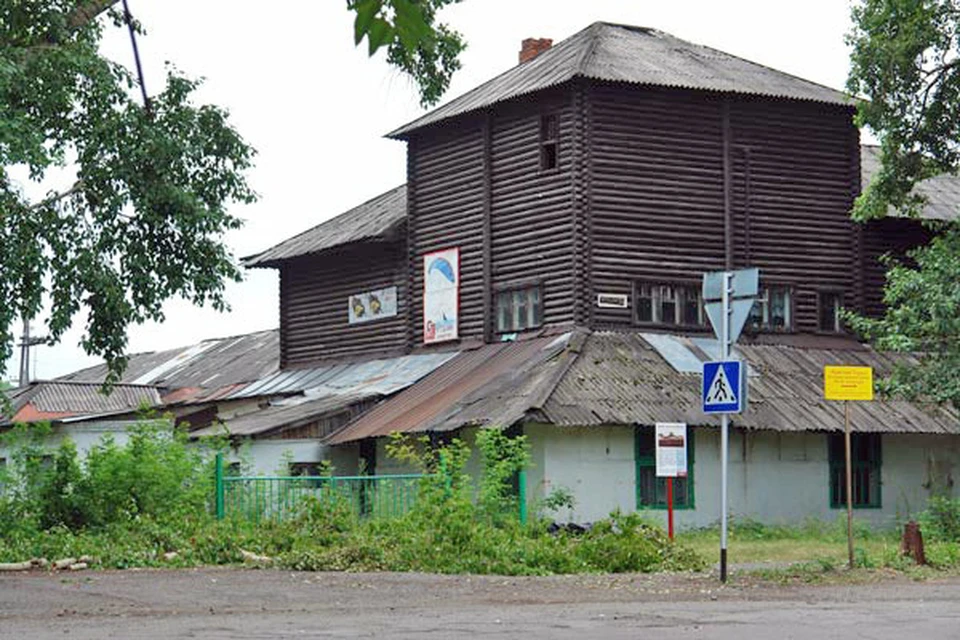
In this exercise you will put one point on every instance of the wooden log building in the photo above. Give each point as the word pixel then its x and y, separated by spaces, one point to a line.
pixel 552 234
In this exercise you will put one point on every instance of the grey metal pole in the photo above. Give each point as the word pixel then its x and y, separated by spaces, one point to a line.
pixel 724 425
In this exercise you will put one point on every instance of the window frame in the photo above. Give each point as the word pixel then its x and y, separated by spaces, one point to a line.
pixel 837 321
pixel 649 462
pixel 549 142
pixel 679 290
pixel 531 305
pixel 791 309
pixel 871 466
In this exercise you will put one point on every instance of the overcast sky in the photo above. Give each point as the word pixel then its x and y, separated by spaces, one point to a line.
pixel 316 108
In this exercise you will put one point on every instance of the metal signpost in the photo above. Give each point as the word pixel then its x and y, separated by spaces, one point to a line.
pixel 728 297
pixel 848 383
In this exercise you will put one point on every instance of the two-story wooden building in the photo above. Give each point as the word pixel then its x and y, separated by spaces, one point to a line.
pixel 553 232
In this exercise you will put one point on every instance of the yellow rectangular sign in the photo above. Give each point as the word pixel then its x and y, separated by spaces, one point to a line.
pixel 847 383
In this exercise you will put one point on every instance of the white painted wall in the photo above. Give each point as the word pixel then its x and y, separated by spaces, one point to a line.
pixel 595 463
pixel 773 477
pixel 85 435
pixel 268 457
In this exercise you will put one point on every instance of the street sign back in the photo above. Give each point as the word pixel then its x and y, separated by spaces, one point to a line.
pixel 723 387
pixel 745 284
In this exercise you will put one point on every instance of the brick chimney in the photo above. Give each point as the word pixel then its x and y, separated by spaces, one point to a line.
pixel 530 48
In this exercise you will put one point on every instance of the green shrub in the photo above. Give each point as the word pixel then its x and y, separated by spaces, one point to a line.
pixel 941 520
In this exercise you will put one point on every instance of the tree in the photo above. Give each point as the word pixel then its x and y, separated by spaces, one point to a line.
pixel 906 64
pixel 143 217
pixel 416 43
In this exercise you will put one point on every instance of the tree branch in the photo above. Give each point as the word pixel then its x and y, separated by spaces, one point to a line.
pixel 57 197
pixel 88 12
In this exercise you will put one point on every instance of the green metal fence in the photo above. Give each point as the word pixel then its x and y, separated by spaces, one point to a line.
pixel 281 497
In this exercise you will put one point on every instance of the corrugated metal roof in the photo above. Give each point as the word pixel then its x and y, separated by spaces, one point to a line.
pixel 941 192
pixel 379 377
pixel 298 411
pixel 60 399
pixel 493 384
pixel 620 378
pixel 637 55
pixel 211 364
pixel 379 219
pixel 326 390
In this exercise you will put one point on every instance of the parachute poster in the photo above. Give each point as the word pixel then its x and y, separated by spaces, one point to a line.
pixel 441 295
pixel 372 305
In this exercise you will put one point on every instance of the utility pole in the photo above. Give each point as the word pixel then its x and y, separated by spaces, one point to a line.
pixel 26 341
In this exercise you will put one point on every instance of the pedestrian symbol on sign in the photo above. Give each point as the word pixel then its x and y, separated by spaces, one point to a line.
pixel 719 391
pixel 722 387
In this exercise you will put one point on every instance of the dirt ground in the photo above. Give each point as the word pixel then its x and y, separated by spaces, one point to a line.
pixel 238 603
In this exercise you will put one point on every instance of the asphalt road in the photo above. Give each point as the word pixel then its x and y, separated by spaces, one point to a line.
pixel 229 603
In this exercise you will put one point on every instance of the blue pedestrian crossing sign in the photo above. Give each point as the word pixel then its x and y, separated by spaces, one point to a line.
pixel 723 390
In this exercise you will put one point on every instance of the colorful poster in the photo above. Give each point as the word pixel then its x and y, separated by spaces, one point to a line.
pixel 671 443
pixel 441 296
pixel 372 305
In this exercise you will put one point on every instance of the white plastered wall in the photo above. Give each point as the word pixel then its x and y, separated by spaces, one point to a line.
pixel 773 477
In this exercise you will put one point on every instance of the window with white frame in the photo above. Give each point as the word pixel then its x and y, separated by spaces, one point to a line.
pixel 672 305
pixel 519 309
pixel 772 311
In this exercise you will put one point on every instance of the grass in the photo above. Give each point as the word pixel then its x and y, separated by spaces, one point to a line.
pixel 817 552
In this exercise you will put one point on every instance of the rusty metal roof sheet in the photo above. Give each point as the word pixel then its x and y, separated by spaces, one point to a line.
pixel 377 220
pixel 211 364
pixel 636 55
pixel 941 192
pixel 621 379
pixel 61 399
pixel 494 384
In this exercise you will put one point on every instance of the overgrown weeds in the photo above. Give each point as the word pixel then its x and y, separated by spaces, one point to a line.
pixel 146 503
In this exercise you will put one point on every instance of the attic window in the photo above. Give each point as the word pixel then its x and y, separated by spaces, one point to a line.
pixel 549 137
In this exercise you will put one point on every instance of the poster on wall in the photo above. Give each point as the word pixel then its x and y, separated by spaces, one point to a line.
pixel 441 295
pixel 671 444
pixel 372 305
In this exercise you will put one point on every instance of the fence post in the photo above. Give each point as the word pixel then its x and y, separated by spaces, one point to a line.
pixel 218 475
pixel 522 490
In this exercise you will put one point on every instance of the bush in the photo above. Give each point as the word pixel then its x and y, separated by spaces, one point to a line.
pixel 941 520
pixel 129 505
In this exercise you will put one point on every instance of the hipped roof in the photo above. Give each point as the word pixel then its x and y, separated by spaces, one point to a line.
pixel 635 55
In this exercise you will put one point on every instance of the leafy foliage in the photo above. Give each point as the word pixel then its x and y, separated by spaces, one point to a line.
pixel 416 43
pixel 922 318
pixel 130 505
pixel 156 475
pixel 144 218
pixel 906 64
pixel 941 520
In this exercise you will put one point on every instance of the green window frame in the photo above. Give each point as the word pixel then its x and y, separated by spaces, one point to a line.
pixel 652 491
pixel 866 457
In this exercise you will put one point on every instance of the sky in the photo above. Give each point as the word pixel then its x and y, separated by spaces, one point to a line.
pixel 317 108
